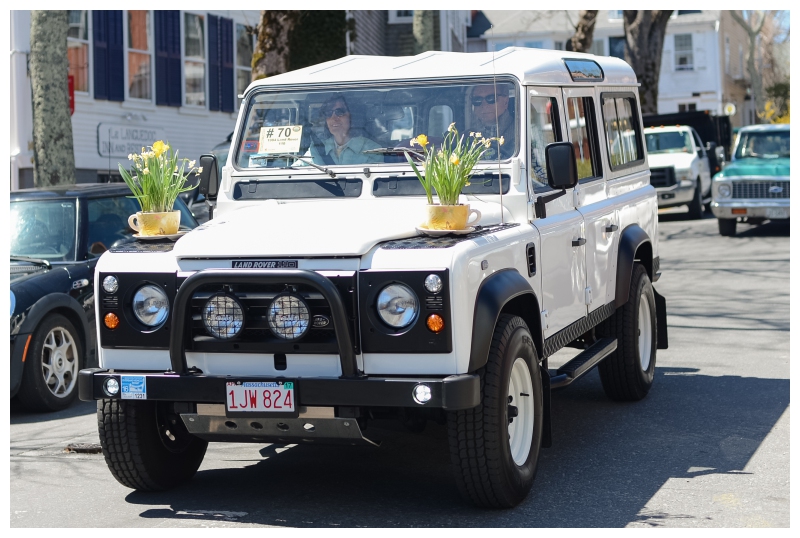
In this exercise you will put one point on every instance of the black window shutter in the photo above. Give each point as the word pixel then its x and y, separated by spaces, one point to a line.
pixel 116 57
pixel 228 84
pixel 168 57
pixel 214 50
pixel 100 51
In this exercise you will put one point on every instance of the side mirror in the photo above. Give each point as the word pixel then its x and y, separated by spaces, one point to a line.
pixel 209 178
pixel 562 171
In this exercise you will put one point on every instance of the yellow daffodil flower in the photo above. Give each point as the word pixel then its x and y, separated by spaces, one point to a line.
pixel 200 170
pixel 422 140
pixel 452 127
pixel 454 159
pixel 191 164
pixel 502 140
pixel 159 147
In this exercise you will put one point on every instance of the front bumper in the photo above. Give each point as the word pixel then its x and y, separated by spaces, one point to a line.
pixel 675 195
pixel 451 393
pixel 753 208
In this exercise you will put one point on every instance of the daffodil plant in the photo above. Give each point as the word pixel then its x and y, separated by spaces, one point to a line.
pixel 449 169
pixel 157 177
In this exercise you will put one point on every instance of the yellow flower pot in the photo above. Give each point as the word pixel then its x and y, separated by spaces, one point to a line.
pixel 149 224
pixel 450 217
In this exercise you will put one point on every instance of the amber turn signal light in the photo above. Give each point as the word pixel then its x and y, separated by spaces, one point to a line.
pixel 435 323
pixel 111 320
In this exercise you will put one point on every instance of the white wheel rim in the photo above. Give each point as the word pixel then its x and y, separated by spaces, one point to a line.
pixel 520 392
pixel 59 362
pixel 645 332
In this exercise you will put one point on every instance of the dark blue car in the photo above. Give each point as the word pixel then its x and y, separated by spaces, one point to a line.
pixel 57 235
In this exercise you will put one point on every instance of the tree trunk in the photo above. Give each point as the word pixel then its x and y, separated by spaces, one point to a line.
pixel 271 56
pixel 422 27
pixel 644 43
pixel 752 36
pixel 582 39
pixel 53 153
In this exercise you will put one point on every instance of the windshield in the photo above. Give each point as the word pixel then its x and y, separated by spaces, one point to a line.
pixel 43 229
pixel 351 126
pixel 763 144
pixel 669 142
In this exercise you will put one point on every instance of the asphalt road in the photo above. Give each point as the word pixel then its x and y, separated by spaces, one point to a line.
pixel 708 447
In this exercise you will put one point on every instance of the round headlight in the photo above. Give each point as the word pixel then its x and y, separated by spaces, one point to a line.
pixel 110 284
pixel 433 283
pixel 724 190
pixel 288 317
pixel 151 305
pixel 398 305
pixel 223 316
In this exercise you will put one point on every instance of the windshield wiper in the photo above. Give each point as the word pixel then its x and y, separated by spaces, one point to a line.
pixel 32 260
pixel 390 151
pixel 318 167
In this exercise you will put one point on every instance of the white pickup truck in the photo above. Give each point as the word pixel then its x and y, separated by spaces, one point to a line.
pixel 679 168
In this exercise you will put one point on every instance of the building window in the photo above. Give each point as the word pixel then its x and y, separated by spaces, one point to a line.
pixel 401 17
pixel 684 58
pixel 616 47
pixel 194 59
pixel 687 107
pixel 598 47
pixel 727 55
pixel 559 45
pixel 78 49
pixel 244 58
pixel 140 55
pixel 502 45
pixel 533 44
pixel 614 14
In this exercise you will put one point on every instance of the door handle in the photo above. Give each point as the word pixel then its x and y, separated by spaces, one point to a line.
pixel 578 242
pixel 611 228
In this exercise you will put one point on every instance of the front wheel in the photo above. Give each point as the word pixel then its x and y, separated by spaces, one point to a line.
pixel 696 205
pixel 727 227
pixel 147 448
pixel 50 377
pixel 627 374
pixel 494 447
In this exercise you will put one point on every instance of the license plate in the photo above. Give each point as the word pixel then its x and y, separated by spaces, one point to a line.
pixel 251 398
pixel 777 213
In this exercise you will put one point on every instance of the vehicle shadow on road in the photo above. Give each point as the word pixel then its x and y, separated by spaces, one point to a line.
pixel 607 461
pixel 20 415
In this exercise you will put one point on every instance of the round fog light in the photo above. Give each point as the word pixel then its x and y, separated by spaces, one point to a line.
pixel 422 393
pixel 223 316
pixel 288 317
pixel 110 284
pixel 111 386
pixel 433 283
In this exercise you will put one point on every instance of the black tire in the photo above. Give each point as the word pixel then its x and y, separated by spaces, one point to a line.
pixel 696 205
pixel 727 227
pixel 623 374
pixel 143 448
pixel 50 376
pixel 481 438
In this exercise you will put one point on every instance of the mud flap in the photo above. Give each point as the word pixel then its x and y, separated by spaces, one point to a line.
pixel 661 321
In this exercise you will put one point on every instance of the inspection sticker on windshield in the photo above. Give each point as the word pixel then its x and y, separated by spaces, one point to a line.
pixel 134 387
pixel 280 139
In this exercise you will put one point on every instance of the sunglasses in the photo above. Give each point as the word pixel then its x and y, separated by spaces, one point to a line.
pixel 339 112
pixel 478 99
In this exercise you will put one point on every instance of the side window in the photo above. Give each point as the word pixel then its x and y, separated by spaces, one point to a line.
pixel 543 130
pixel 700 149
pixel 623 133
pixel 583 135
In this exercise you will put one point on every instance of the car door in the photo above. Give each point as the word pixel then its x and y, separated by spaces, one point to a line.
pixel 705 168
pixel 561 229
pixel 600 218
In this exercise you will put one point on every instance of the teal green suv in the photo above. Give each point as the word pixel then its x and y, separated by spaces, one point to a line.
pixel 754 187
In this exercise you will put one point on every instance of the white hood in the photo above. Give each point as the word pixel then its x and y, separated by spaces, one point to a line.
pixel 310 228
pixel 681 161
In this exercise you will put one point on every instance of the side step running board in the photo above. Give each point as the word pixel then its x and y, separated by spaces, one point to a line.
pixel 583 363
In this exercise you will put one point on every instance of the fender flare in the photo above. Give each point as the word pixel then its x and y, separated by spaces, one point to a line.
pixel 632 238
pixel 495 293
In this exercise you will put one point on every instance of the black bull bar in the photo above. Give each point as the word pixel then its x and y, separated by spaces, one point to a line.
pixel 177 342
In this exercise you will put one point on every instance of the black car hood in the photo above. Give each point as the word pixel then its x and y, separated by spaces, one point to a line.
pixel 23 271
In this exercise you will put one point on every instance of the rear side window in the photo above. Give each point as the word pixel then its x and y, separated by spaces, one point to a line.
pixel 623 132
pixel 582 134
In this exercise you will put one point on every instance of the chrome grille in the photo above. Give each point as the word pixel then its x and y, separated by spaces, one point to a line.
pixel 662 177
pixel 761 189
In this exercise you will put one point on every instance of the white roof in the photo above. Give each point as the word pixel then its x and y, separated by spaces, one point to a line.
pixel 529 66
pixel 766 127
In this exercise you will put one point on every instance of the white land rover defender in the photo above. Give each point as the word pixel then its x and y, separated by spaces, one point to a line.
pixel 310 304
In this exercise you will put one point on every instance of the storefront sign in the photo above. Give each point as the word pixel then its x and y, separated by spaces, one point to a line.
pixel 115 140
